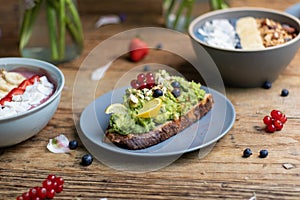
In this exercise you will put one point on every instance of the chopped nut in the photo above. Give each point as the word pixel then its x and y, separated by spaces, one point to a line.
pixel 288 29
pixel 273 33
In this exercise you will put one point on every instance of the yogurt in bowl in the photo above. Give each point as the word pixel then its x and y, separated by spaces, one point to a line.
pixel 269 40
pixel 19 93
pixel 27 106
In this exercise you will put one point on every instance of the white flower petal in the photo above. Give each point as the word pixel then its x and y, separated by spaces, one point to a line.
pixel 59 144
pixel 99 73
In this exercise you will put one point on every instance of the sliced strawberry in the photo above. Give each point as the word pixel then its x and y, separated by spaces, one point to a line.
pixel 138 49
pixel 24 84
pixel 33 79
pixel 14 92
pixel 4 99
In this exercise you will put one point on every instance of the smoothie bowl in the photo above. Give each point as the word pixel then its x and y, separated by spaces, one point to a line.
pixel 30 92
pixel 249 45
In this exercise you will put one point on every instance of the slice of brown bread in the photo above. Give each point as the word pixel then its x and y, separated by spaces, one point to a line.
pixel 162 132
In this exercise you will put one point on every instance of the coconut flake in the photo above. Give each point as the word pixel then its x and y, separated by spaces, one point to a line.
pixel 59 144
pixel 219 33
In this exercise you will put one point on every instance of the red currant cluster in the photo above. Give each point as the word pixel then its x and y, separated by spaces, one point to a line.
pixel 143 81
pixel 275 121
pixel 49 188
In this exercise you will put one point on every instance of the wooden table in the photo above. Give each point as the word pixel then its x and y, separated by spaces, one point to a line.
pixel 222 174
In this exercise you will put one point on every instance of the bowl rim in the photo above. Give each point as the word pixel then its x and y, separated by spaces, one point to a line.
pixel 239 9
pixel 39 64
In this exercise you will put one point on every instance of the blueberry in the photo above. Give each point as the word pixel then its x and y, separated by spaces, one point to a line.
pixel 247 153
pixel 122 17
pixel 157 93
pixel 175 84
pixel 86 160
pixel 73 144
pixel 263 153
pixel 159 46
pixel 284 92
pixel 147 68
pixel 176 92
pixel 267 85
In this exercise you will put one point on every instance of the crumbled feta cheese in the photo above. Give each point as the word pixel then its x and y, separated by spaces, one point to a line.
pixel 149 93
pixel 133 99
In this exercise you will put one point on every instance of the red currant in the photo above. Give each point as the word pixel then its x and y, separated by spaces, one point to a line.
pixel 51 177
pixel 54 185
pixel 47 184
pixel 42 192
pixel 141 78
pixel 33 193
pixel 26 196
pixel 135 84
pixel 60 180
pixel 150 79
pixel 276 114
pixel 142 85
pixel 278 125
pixel 50 194
pixel 50 186
pixel 59 188
pixel 271 128
pixel 149 74
pixel 267 120
pixel 283 118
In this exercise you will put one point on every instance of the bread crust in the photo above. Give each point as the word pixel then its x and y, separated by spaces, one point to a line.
pixel 162 132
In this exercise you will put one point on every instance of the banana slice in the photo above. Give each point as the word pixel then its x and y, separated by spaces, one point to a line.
pixel 3 85
pixel 7 87
pixel 2 94
pixel 13 78
pixel 2 81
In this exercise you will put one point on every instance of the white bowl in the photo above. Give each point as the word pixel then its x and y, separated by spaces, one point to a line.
pixel 20 127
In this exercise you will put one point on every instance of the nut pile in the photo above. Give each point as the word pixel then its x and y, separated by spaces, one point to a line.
pixel 274 33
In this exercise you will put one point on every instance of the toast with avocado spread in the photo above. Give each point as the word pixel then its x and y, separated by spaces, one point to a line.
pixel 156 107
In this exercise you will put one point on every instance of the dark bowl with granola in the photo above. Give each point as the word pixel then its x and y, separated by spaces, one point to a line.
pixel 250 46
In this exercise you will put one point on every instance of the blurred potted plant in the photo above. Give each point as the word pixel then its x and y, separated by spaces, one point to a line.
pixel 50 30
pixel 179 13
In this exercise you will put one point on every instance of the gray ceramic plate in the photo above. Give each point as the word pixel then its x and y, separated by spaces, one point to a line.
pixel 207 131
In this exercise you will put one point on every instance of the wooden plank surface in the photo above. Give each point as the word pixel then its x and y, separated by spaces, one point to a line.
pixel 222 174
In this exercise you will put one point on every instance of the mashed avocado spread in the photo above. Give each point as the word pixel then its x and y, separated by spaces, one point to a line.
pixel 178 97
